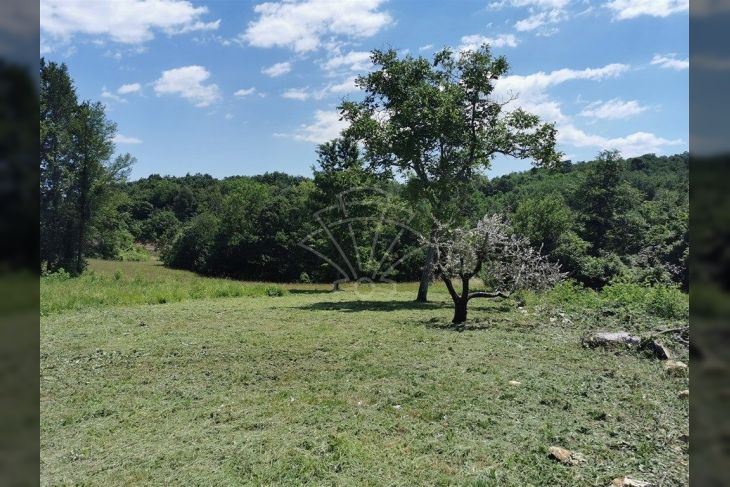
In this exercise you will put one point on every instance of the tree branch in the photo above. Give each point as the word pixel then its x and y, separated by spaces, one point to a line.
pixel 486 294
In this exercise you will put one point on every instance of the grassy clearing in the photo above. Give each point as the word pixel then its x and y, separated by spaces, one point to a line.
pixel 349 388
pixel 114 283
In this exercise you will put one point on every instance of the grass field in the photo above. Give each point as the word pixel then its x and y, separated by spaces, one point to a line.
pixel 154 376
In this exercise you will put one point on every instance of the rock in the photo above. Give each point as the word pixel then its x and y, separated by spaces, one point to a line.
pixel 515 382
pixel 683 394
pixel 565 456
pixel 629 482
pixel 657 349
pixel 675 368
pixel 611 339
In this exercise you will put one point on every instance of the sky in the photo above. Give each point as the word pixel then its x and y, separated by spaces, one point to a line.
pixel 241 88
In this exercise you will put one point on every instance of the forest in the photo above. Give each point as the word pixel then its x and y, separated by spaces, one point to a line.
pixel 601 220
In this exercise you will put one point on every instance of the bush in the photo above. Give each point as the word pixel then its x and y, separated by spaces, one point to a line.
pixel 136 253
pixel 58 276
pixel 304 278
pixel 661 300
pixel 668 302
pixel 274 291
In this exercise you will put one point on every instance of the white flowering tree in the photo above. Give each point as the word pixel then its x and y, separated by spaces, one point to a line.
pixel 492 252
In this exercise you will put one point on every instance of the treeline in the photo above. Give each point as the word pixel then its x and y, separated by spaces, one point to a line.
pixel 602 220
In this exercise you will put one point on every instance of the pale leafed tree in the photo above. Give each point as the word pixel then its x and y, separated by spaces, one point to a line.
pixel 491 251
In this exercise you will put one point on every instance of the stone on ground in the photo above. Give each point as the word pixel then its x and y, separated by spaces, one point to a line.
pixel 629 482
pixel 675 368
pixel 612 339
pixel 565 456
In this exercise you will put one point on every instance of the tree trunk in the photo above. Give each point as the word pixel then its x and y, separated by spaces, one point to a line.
pixel 460 311
pixel 426 271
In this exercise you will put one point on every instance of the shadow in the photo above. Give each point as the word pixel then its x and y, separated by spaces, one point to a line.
pixel 438 324
pixel 309 291
pixel 353 306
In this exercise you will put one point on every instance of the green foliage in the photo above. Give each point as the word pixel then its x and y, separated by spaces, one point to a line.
pixel 274 291
pixel 660 301
pixel 79 213
pixel 135 253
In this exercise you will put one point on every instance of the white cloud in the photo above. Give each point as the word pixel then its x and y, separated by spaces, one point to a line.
pixel 108 95
pixel 541 19
pixel 123 139
pixel 635 144
pixel 245 92
pixel 353 61
pixel 301 25
pixel 473 42
pixel 346 86
pixel 127 22
pixel 530 90
pixel 277 69
pixel 427 47
pixel 629 9
pixel 533 85
pixel 670 61
pixel 129 88
pixel 613 109
pixel 228 116
pixel 187 82
pixel 326 126
pixel 543 14
pixel 300 94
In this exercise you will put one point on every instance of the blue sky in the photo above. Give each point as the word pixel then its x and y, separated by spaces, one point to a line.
pixel 234 87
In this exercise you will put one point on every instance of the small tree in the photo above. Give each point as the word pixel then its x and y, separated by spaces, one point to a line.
pixel 491 251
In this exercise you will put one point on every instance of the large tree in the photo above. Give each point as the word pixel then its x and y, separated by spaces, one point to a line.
pixel 439 123
pixel 76 169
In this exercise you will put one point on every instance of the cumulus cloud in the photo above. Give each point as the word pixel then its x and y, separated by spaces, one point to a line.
pixel 300 94
pixel 352 61
pixel 108 95
pixel 541 20
pixel 543 16
pixel 127 22
pixel 629 9
pixel 345 86
pixel 613 109
pixel 188 82
pixel 670 61
pixel 123 139
pixel 635 144
pixel 245 92
pixel 325 126
pixel 301 25
pixel 277 69
pixel 532 86
pixel 129 88
pixel 473 42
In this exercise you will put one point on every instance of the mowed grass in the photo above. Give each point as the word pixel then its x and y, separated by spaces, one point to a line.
pixel 351 388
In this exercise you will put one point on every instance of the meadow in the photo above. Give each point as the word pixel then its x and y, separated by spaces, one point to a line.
pixel 157 376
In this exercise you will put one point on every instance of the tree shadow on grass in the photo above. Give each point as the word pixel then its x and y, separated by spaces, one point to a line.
pixel 310 291
pixel 440 324
pixel 366 305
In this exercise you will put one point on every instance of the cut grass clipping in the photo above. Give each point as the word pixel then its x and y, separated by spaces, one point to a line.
pixel 225 384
